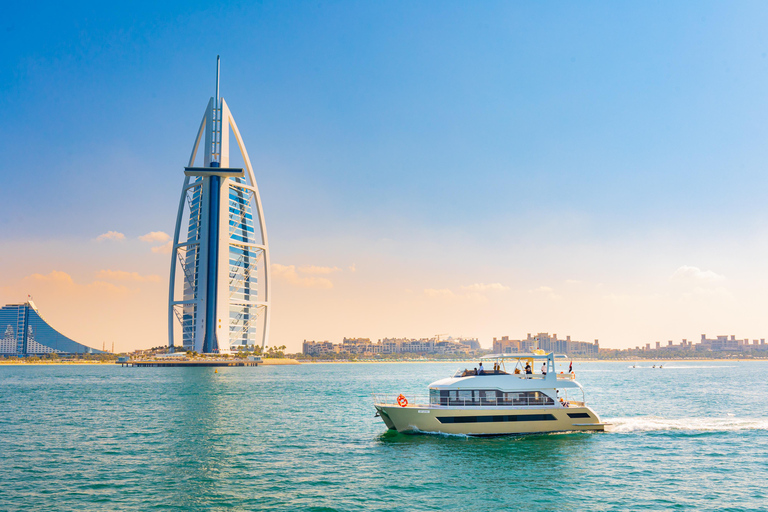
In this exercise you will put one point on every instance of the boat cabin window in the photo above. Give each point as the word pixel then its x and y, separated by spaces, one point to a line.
pixel 527 398
pixel 466 396
pixel 474 397
pixel 488 395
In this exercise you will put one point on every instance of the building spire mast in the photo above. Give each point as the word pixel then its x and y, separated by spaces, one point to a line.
pixel 216 125
pixel 218 69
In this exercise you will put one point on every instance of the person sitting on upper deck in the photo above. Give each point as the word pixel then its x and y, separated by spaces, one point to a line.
pixel 496 367
pixel 528 370
pixel 481 370
pixel 517 371
pixel 544 369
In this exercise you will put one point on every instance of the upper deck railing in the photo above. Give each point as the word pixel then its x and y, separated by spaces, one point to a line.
pixel 387 399
pixel 521 375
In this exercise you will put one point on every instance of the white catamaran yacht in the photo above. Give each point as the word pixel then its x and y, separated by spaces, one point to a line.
pixel 495 402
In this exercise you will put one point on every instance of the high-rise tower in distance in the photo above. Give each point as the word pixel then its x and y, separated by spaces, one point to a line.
pixel 218 299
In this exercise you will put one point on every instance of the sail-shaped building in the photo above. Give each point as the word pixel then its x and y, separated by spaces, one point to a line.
pixel 24 332
pixel 219 282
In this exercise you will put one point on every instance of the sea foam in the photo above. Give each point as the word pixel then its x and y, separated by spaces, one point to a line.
pixel 656 423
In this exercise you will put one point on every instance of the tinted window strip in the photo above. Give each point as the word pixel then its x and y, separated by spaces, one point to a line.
pixel 493 419
pixel 578 415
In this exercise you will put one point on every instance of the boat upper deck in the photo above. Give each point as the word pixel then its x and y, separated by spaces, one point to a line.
pixel 518 374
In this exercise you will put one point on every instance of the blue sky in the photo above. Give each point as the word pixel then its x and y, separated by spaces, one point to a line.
pixel 450 142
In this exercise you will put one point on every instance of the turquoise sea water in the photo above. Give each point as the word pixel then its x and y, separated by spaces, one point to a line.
pixel 693 436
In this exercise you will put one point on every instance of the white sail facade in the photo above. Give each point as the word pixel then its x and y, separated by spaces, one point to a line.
pixel 219 283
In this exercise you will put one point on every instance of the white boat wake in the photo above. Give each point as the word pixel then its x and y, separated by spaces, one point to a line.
pixel 656 423
pixel 665 367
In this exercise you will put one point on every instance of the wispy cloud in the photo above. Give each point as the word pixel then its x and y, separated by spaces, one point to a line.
pixel 547 291
pixel 483 287
pixel 313 269
pixel 55 276
pixel 121 275
pixel 472 292
pixel 63 282
pixel 444 293
pixel 163 249
pixel 155 236
pixel 288 274
pixel 690 274
pixel 110 235
pixel 109 288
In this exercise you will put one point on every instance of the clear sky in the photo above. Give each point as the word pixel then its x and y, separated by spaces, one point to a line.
pixel 593 169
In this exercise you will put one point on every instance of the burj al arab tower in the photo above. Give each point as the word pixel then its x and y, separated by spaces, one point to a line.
pixel 218 298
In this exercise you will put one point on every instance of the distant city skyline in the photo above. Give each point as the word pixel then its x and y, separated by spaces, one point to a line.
pixel 468 168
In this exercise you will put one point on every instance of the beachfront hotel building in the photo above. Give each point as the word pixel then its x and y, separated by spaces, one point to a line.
pixel 218 299
pixel 365 347
pixel 23 332
pixel 722 343
pixel 546 342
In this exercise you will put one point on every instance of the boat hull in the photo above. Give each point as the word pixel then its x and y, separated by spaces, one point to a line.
pixel 487 421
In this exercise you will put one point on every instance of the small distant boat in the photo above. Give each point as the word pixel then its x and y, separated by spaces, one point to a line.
pixel 494 402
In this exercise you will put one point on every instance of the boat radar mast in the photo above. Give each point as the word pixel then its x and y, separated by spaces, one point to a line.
pixel 219 290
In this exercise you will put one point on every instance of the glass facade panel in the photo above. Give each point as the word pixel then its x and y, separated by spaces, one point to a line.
pixel 190 263
pixel 243 268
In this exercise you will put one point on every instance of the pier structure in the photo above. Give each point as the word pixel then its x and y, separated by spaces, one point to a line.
pixel 218 298
pixel 185 364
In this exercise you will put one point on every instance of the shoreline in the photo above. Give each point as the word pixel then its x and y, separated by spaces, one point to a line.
pixel 56 363
pixel 575 360
pixel 264 362
pixel 294 362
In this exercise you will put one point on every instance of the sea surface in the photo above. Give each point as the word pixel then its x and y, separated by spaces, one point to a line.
pixel 690 436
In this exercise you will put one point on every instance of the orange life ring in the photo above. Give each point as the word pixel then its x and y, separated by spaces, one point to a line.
pixel 401 400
